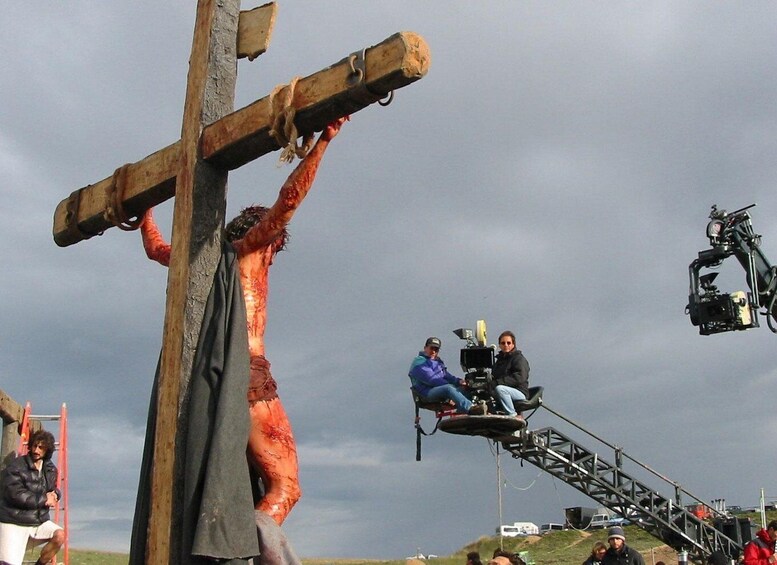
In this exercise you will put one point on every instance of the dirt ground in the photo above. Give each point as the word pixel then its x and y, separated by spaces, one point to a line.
pixel 663 553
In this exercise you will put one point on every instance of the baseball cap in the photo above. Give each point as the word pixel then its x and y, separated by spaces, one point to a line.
pixel 433 342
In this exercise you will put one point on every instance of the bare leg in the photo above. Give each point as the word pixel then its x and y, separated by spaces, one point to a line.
pixel 273 453
pixel 52 547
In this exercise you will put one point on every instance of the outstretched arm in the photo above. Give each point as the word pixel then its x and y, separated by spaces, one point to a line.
pixel 154 243
pixel 292 194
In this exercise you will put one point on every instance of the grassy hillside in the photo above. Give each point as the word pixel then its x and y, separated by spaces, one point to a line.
pixel 569 547
pixel 87 557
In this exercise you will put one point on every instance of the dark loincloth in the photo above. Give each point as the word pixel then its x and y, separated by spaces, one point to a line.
pixel 261 385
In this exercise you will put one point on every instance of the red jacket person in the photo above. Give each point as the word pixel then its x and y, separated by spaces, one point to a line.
pixel 760 551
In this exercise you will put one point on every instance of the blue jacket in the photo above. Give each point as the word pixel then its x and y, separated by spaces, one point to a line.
pixel 427 373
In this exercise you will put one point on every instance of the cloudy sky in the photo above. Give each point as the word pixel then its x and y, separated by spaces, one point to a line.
pixel 552 175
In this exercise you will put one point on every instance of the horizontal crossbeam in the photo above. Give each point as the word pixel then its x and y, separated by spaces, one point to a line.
pixel 244 135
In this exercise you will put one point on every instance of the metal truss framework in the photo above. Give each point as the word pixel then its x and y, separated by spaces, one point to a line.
pixel 607 483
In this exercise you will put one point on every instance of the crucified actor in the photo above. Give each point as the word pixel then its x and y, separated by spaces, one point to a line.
pixel 257 234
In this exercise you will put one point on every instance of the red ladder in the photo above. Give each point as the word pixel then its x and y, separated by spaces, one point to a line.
pixel 60 452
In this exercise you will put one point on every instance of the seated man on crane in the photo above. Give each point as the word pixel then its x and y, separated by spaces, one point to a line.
pixel 432 381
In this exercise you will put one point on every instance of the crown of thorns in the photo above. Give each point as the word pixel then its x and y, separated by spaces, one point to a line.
pixel 248 218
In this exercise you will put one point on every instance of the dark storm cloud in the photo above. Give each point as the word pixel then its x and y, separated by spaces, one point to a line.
pixel 552 174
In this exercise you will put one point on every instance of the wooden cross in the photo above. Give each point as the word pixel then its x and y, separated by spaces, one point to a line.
pixel 214 140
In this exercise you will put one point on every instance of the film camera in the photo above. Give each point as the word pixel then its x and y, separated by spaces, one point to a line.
pixel 716 312
pixel 477 360
pixel 729 233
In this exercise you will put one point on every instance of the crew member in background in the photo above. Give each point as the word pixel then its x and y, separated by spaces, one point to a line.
pixel 597 554
pixel 760 551
pixel 432 381
pixel 619 553
pixel 510 374
pixel 29 488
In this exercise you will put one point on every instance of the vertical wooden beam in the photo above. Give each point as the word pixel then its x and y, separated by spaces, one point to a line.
pixel 10 414
pixel 10 441
pixel 198 218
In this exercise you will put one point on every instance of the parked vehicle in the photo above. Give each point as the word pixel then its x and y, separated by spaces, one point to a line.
pixel 618 521
pixel 578 517
pixel 599 521
pixel 518 529
pixel 701 511
pixel 545 528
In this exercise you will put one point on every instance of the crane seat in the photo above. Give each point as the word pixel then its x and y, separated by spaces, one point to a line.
pixel 534 401
pixel 438 406
pixel 441 409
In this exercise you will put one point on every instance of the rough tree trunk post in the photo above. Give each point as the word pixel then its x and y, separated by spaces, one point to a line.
pixel 198 217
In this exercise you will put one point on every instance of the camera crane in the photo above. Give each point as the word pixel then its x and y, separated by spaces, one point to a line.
pixel 611 484
pixel 731 233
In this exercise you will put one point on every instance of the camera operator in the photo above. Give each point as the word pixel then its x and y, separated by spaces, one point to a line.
pixel 510 374
pixel 432 381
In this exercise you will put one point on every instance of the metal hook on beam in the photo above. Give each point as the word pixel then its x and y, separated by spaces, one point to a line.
pixel 358 80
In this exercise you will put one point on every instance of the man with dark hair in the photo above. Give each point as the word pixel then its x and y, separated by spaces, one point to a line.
pixel 760 551
pixel 29 488
pixel 619 553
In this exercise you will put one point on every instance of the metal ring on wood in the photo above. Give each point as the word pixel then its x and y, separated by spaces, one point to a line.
pixel 114 211
pixel 387 101
pixel 358 79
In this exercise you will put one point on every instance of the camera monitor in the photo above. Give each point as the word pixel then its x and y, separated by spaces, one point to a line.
pixel 477 358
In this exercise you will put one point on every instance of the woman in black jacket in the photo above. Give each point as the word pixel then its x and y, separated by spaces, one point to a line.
pixel 510 374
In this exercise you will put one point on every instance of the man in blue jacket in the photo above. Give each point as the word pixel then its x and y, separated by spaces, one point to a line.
pixel 432 381
pixel 29 489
